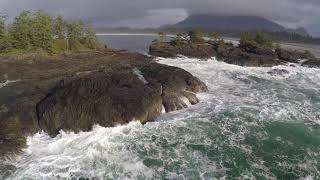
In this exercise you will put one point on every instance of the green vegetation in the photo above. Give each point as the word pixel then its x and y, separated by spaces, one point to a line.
pixel 260 40
pixel 4 37
pixel 39 32
pixel 180 37
pixel 196 36
pixel 215 36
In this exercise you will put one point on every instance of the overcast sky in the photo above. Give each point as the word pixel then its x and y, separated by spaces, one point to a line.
pixel 153 13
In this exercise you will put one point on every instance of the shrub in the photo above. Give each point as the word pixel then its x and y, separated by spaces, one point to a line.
pixel 196 36
pixel 75 35
pixel 215 36
pixel 59 46
pixel 263 40
pixel 90 38
pixel 180 37
pixel 260 40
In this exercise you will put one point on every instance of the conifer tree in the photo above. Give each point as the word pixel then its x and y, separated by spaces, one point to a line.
pixel 2 27
pixel 21 31
pixel 59 27
pixel 90 37
pixel 5 44
pixel 75 35
pixel 42 36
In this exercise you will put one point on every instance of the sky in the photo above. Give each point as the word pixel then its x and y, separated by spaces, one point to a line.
pixel 154 13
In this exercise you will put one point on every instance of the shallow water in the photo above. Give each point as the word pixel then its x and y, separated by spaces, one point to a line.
pixel 250 125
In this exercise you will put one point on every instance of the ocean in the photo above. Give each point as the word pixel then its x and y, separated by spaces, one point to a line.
pixel 250 125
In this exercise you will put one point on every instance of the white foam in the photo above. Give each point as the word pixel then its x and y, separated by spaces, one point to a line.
pixel 137 72
pixel 7 82
pixel 119 153
pixel 185 100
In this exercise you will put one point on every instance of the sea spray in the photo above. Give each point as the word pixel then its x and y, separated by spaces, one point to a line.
pixel 249 125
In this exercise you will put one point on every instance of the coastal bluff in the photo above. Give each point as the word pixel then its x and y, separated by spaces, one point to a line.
pixel 73 92
pixel 231 54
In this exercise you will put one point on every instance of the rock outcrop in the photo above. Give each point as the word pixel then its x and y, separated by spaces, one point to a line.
pixel 111 98
pixel 76 91
pixel 312 63
pixel 168 50
pixel 227 52
pixel 294 56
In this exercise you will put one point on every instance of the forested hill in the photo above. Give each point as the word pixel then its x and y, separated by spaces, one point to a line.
pixel 237 23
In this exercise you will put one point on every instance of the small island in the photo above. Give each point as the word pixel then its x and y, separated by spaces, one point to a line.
pixel 255 50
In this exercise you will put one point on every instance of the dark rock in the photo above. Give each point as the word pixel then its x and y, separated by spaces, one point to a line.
pixel 293 56
pixel 99 98
pixel 313 63
pixel 238 57
pixel 223 51
pixel 278 72
pixel 72 92
pixel 168 50
pixel 112 98
pixel 242 56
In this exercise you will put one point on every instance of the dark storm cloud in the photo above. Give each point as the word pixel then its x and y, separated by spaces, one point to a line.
pixel 142 13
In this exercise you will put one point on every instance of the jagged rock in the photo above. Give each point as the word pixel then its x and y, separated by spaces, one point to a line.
pixel 109 98
pixel 314 63
pixel 243 56
pixel 293 56
pixel 99 98
pixel 191 97
pixel 75 91
pixel 167 50
pixel 239 57
pixel 278 72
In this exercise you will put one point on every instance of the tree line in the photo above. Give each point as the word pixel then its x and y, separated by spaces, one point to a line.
pixel 33 31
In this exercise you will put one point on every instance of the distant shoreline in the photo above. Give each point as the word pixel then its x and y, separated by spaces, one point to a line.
pixel 315 49
pixel 131 34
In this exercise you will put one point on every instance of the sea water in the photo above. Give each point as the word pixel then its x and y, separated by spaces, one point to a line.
pixel 250 125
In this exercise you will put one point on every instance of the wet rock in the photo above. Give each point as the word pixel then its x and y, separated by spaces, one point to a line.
pixel 173 102
pixel 313 63
pixel 278 72
pixel 293 56
pixel 170 50
pixel 238 57
pixel 99 98
pixel 192 97
pixel 110 98
pixel 73 92
pixel 227 52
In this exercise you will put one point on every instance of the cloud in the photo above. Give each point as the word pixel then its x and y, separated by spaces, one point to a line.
pixel 142 13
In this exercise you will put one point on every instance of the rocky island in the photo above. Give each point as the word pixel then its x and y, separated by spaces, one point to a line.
pixel 76 91
pixel 256 51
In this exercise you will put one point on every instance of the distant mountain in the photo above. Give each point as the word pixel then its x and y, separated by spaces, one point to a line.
pixel 240 23
pixel 302 31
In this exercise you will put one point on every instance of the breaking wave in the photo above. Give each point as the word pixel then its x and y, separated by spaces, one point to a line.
pixel 251 124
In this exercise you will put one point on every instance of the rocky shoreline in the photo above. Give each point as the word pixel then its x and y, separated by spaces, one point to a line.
pixel 231 54
pixel 73 92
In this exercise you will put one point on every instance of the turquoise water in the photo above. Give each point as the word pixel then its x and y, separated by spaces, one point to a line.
pixel 250 125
